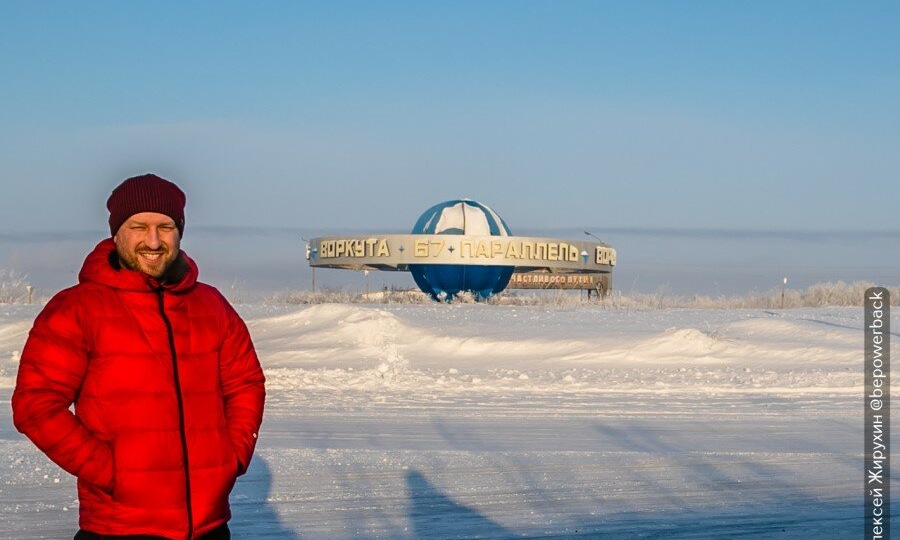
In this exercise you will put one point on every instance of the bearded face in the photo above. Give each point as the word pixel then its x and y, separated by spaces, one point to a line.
pixel 148 242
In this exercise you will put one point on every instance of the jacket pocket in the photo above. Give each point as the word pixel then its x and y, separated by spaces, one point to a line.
pixel 101 472
pixel 238 466
pixel 111 487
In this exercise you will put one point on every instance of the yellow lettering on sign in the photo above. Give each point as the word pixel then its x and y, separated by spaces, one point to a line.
pixel 383 250
pixel 354 247
pixel 553 252
pixel 496 248
pixel 528 250
pixel 420 248
pixel 604 255
pixel 428 248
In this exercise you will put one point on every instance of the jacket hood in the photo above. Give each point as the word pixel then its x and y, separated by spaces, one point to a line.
pixel 102 267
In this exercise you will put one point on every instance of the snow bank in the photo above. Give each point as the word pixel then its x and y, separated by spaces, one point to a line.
pixel 437 348
pixel 434 348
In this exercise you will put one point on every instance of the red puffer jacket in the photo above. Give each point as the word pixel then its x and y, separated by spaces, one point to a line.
pixel 168 396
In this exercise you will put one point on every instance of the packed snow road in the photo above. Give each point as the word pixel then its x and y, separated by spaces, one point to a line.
pixel 480 421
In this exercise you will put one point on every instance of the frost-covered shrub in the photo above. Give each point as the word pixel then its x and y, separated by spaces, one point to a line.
pixel 337 296
pixel 818 295
pixel 13 287
pixel 838 294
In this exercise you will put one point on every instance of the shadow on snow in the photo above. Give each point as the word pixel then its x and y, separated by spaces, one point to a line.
pixel 254 517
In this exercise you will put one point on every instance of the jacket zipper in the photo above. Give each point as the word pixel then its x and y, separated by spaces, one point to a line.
pixel 181 427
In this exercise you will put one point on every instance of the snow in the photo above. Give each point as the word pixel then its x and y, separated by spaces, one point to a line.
pixel 487 421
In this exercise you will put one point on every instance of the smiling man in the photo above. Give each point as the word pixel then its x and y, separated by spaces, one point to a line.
pixel 167 389
pixel 148 242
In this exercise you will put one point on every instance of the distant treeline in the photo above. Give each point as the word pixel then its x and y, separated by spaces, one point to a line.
pixel 834 294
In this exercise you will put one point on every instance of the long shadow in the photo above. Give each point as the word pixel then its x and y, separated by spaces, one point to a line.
pixel 826 323
pixel 434 515
pixel 253 516
pixel 770 500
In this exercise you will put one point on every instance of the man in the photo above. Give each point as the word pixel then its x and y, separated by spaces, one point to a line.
pixel 167 389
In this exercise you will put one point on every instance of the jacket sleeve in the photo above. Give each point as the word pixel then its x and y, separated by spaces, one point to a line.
pixel 243 387
pixel 51 370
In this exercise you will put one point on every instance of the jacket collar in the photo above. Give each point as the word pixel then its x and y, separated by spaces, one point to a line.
pixel 102 266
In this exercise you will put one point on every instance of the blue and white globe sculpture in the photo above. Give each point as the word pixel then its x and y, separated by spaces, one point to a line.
pixel 444 281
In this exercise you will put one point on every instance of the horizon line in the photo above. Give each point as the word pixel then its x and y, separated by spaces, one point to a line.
pixel 23 237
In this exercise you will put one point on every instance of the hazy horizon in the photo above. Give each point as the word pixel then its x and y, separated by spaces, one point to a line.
pixel 255 261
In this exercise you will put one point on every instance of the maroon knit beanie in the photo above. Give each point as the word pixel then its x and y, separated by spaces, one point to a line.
pixel 145 193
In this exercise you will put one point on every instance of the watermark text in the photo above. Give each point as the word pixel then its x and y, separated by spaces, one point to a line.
pixel 877 455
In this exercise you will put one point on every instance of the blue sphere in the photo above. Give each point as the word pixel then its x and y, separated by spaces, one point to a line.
pixel 445 281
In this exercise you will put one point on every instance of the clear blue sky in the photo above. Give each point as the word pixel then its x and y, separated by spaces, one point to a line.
pixel 772 116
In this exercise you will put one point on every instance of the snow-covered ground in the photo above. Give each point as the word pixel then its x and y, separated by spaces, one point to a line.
pixel 485 421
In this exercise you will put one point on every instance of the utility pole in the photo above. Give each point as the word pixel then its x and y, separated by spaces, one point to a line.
pixel 594 236
pixel 308 255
